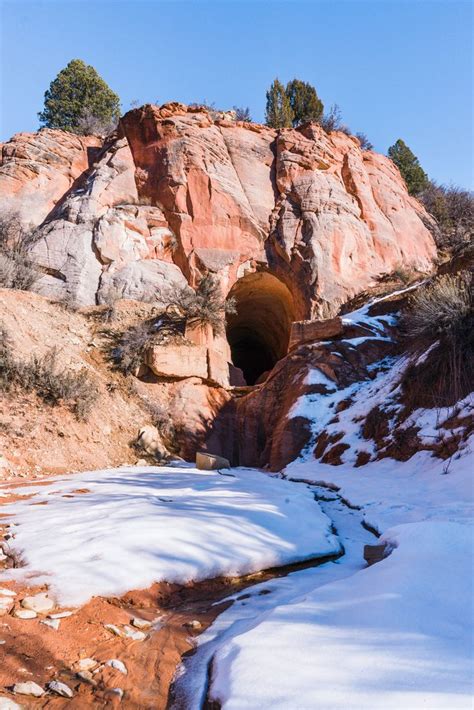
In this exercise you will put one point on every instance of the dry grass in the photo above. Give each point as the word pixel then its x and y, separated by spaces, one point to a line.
pixel 203 306
pixel 17 271
pixel 50 381
pixel 441 317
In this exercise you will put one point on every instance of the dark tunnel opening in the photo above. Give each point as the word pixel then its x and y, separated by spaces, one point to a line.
pixel 259 332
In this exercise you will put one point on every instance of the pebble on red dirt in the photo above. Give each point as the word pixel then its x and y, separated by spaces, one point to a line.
pixel 40 603
pixel 60 689
pixel 28 688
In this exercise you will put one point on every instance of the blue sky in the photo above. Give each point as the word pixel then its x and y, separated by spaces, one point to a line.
pixel 396 69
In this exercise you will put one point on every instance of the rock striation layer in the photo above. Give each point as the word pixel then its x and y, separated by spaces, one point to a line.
pixel 178 193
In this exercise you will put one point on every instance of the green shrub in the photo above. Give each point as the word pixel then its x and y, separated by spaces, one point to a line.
pixel 304 102
pixel 411 171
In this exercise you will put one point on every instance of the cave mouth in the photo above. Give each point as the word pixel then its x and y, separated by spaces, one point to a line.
pixel 258 334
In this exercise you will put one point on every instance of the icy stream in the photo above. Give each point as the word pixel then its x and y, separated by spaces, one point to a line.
pixel 251 605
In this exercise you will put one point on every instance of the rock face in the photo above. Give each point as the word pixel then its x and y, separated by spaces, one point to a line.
pixel 292 223
pixel 38 169
pixel 179 194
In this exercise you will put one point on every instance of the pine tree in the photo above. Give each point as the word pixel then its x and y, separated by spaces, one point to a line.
pixel 415 177
pixel 76 96
pixel 278 111
pixel 304 102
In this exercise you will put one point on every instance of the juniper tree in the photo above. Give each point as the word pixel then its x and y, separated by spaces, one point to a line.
pixel 79 98
pixel 406 161
pixel 278 111
pixel 304 102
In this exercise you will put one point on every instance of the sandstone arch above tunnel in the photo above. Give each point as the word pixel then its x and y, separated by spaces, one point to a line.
pixel 258 333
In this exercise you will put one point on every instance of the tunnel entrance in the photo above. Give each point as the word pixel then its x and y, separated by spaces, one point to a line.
pixel 259 332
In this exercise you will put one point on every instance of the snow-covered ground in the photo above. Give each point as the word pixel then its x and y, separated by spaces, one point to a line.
pixel 338 636
pixel 343 636
pixel 105 532
pixel 394 635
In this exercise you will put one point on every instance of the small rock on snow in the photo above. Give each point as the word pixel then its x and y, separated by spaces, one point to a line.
pixel 118 665
pixel 28 688
pixel 60 689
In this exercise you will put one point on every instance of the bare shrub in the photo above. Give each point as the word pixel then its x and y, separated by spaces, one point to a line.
pixel 453 209
pixel 365 144
pixel 375 425
pixel 201 307
pixel 91 125
pixel 17 270
pixel 242 114
pixel 47 378
pixel 403 274
pixel 439 328
pixel 332 121
pixel 129 352
pixel 7 361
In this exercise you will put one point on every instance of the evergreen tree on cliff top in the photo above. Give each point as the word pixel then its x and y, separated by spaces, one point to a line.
pixel 415 177
pixel 278 111
pixel 79 101
pixel 304 102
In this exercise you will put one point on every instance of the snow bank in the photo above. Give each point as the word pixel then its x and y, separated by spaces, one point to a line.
pixel 135 526
pixel 395 635
pixel 393 492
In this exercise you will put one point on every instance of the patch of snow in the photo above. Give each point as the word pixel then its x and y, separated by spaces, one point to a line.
pixel 394 635
pixel 252 605
pixel 121 535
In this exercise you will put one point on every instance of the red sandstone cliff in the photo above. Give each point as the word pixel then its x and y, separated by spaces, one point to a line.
pixel 179 194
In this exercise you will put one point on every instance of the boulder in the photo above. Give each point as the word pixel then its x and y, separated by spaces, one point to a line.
pixel 376 553
pixel 55 686
pixel 29 688
pixel 149 440
pixel 8 704
pixel 218 368
pixel 210 462
pixel 40 603
pixel 140 280
pixel 312 330
pixel 178 361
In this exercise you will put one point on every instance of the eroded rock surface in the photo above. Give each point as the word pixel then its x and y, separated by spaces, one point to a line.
pixel 179 194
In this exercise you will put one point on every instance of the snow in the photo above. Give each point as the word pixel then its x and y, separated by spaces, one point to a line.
pixel 394 635
pixel 135 526
pixel 256 602
pixel 344 635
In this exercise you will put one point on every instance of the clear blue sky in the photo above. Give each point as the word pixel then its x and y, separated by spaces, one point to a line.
pixel 396 69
